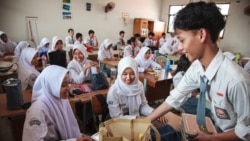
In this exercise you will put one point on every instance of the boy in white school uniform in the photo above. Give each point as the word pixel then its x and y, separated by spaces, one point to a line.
pixel 70 40
pixel 91 42
pixel 197 27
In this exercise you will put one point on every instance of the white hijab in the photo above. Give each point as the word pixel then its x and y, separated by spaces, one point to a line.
pixel 47 90
pixel 78 65
pixel 54 40
pixel 43 42
pixel 132 91
pixel 25 68
pixel 103 49
pixel 142 62
pixel 18 50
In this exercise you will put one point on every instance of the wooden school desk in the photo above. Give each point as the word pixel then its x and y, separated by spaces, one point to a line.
pixel 157 88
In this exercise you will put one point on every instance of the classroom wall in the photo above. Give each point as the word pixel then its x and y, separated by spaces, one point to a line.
pixel 50 22
pixel 237 30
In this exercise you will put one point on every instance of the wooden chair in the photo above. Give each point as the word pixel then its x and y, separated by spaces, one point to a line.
pixel 97 109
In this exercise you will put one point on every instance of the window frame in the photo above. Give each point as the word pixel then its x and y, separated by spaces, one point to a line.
pixel 172 15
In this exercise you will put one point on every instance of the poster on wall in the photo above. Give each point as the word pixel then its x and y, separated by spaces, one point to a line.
pixel 66 1
pixel 66 15
pixel 66 7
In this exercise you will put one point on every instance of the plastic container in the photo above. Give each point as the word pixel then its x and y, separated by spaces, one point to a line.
pixel 13 91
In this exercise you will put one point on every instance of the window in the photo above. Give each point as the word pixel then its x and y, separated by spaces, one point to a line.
pixel 173 10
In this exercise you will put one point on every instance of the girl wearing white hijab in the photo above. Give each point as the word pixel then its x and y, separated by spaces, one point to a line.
pixel 50 116
pixel 44 47
pixel 79 68
pixel 126 97
pixel 105 54
pixel 27 72
pixel 18 50
pixel 57 45
pixel 145 64
pixel 7 46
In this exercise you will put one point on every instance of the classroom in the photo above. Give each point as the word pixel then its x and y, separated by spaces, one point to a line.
pixel 32 20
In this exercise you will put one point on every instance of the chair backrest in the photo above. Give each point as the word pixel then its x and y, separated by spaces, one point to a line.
pixel 58 58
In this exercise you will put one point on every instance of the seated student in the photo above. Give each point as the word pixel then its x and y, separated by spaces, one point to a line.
pixel 162 39
pixel 150 42
pixel 145 64
pixel 50 116
pixel 27 72
pixel 121 41
pixel 44 47
pixel 91 41
pixel 138 40
pixel 129 50
pixel 70 40
pixel 57 45
pixel 105 54
pixel 18 50
pixel 80 68
pixel 170 47
pixel 7 47
pixel 79 39
pixel 126 97
pixel 247 66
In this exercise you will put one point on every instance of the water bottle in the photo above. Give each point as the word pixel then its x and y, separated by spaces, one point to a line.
pixel 167 66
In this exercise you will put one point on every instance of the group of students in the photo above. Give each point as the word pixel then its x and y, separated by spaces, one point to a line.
pixel 50 116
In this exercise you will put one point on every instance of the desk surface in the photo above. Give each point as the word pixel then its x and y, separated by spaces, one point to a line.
pixel 152 79
pixel 111 63
pixel 4 112
pixel 115 52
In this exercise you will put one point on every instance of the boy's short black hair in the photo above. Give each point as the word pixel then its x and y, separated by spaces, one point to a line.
pixel 78 35
pixel 121 32
pixel 201 15
pixel 163 33
pixel 137 35
pixel 131 40
pixel 91 31
pixel 151 33
pixel 70 29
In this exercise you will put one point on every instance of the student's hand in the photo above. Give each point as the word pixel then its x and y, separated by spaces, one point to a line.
pixel 163 119
pixel 149 70
pixel 85 138
pixel 201 136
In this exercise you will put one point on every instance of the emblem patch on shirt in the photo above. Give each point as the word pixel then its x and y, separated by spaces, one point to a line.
pixel 220 94
pixel 221 113
pixel 35 122
pixel 110 102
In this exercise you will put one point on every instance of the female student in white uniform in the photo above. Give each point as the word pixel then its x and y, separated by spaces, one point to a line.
pixel 50 116
pixel 44 47
pixel 80 68
pixel 105 54
pixel 27 72
pixel 7 47
pixel 57 45
pixel 126 97
pixel 145 64
pixel 18 50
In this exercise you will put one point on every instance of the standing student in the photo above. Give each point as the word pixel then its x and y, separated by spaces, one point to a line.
pixel 50 116
pixel 18 50
pixel 145 64
pixel 126 98
pixel 228 84
pixel 80 68
pixel 70 40
pixel 91 40
pixel 7 47
pixel 27 72
pixel 105 54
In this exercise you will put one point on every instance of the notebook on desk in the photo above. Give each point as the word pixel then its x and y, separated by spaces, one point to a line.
pixel 58 58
